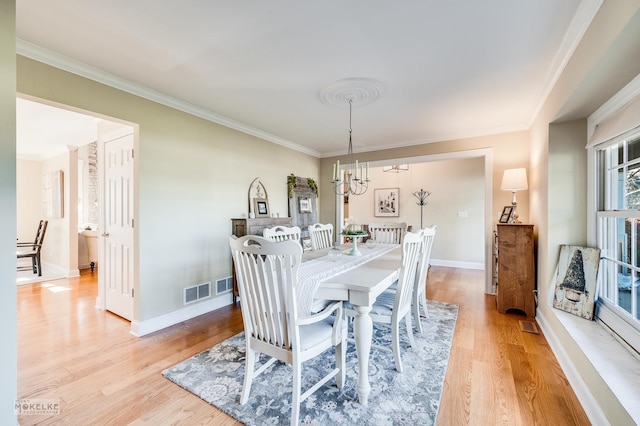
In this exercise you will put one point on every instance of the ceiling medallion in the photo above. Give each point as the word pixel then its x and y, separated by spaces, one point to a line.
pixel 358 91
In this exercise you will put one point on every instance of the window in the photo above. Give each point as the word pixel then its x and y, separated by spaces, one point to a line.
pixel 618 236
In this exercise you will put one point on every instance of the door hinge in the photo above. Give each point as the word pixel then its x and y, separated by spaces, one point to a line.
pixel 132 292
pixel 132 222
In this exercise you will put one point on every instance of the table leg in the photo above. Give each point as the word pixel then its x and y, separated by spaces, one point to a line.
pixel 363 333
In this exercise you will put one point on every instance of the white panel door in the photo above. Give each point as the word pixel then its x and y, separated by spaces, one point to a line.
pixel 119 221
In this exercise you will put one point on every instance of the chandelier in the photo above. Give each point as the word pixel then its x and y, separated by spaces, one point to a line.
pixel 353 178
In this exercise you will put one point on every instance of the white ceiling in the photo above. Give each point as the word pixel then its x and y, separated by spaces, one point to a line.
pixel 448 68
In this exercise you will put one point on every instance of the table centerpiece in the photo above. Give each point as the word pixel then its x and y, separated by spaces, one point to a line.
pixel 354 232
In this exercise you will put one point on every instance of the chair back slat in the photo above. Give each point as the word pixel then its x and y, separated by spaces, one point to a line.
pixel 412 244
pixel 425 257
pixel 390 232
pixel 321 235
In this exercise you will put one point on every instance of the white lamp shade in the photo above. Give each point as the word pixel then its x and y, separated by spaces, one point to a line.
pixel 514 180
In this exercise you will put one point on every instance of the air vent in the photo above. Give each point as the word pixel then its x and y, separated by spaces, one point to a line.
pixel 224 285
pixel 528 327
pixel 197 292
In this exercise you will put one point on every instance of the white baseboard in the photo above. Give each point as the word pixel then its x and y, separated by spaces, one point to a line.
pixel 56 270
pixel 141 328
pixel 457 264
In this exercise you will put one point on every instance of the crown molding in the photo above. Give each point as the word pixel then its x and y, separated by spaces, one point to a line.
pixel 627 94
pixel 40 54
pixel 581 21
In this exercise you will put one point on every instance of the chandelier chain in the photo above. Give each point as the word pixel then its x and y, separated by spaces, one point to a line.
pixel 355 180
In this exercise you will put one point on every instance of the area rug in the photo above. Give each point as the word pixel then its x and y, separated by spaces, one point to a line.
pixel 408 398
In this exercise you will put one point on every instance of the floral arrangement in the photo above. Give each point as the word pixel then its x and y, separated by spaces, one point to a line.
pixel 353 229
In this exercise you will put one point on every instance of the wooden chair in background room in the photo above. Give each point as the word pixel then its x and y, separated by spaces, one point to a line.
pixel 321 235
pixel 277 318
pixel 394 305
pixel 388 232
pixel 32 250
pixel 420 288
pixel 283 233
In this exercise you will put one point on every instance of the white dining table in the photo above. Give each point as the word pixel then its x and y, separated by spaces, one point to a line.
pixel 360 282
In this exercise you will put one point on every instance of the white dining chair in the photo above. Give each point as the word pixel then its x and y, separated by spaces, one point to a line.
pixel 420 287
pixel 321 235
pixel 389 232
pixel 274 323
pixel 283 233
pixel 391 307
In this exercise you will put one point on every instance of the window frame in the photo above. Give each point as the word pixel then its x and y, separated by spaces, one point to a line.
pixel 602 207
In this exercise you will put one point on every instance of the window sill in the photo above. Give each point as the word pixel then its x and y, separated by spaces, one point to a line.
pixel 613 362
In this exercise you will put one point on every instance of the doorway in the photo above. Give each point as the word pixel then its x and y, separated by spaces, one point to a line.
pixel 58 137
pixel 483 232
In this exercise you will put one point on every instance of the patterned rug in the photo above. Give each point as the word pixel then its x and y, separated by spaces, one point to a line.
pixel 408 398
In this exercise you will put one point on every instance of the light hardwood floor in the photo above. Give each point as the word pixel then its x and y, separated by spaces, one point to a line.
pixel 86 358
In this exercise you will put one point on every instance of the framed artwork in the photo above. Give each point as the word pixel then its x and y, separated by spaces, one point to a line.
pixel 507 211
pixel 387 202
pixel 305 205
pixel 576 278
pixel 261 207
pixel 53 194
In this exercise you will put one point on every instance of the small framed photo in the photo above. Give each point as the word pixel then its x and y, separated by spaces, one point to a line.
pixel 305 205
pixel 261 207
pixel 505 217
pixel 387 202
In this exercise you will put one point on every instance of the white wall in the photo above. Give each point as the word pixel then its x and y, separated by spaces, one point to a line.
pixel 60 247
pixel 455 186
pixel 29 198
pixel 9 364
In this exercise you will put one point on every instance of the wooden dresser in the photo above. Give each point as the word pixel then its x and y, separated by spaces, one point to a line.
pixel 242 227
pixel 255 226
pixel 514 268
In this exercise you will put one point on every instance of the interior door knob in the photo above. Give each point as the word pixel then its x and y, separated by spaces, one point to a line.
pixel 105 234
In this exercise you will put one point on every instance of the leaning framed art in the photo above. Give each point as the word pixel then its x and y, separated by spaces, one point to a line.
pixel 576 278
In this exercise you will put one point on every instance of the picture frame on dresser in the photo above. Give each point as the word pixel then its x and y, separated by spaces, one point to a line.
pixel 261 207
pixel 505 217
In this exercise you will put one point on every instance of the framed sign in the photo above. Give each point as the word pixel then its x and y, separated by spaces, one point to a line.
pixel 387 202
pixel 261 207
pixel 305 205
pixel 505 217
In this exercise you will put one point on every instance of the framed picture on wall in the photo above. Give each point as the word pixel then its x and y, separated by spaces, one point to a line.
pixel 261 207
pixel 505 217
pixel 387 202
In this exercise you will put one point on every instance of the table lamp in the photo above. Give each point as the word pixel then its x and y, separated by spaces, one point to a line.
pixel 514 180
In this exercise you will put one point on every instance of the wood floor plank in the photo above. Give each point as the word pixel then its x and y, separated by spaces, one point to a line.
pixel 86 358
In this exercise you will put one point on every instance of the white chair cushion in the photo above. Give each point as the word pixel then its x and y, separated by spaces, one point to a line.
pixel 383 305
pixel 312 334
